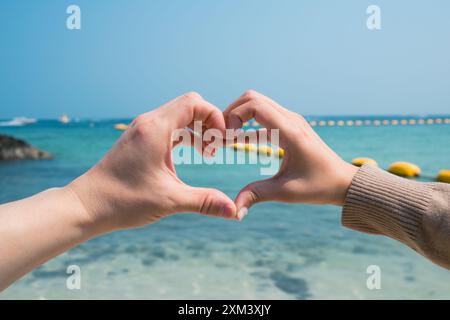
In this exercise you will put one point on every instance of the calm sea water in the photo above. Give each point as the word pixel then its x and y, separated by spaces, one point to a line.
pixel 278 251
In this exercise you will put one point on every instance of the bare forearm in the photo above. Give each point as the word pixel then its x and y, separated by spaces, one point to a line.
pixel 35 229
pixel 135 184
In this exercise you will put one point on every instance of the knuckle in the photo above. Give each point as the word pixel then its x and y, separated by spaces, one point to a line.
pixel 298 131
pixel 234 118
pixel 206 205
pixel 256 105
pixel 139 119
pixel 141 130
pixel 254 196
pixel 233 114
pixel 192 96
pixel 301 122
pixel 301 118
pixel 143 125
pixel 251 94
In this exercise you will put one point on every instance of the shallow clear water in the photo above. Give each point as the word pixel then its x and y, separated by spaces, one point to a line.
pixel 278 251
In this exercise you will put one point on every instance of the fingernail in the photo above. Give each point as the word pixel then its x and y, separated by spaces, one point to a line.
pixel 226 211
pixel 242 213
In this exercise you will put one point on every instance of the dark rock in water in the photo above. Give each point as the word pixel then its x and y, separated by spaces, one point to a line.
pixel 295 286
pixel 410 278
pixel 42 273
pixel 16 149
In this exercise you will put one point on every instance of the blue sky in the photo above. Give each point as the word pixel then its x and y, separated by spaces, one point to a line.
pixel 315 57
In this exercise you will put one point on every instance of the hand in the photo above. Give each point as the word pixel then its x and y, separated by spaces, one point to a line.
pixel 136 184
pixel 310 172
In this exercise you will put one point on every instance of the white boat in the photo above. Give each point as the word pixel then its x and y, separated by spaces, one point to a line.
pixel 64 119
pixel 19 121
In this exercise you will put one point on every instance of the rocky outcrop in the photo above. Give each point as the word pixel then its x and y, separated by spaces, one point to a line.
pixel 16 149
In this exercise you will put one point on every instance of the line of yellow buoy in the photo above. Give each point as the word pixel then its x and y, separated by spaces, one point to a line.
pixel 403 169
pixel 349 123
pixel 378 122
pixel 400 168
pixel 369 122
pixel 262 150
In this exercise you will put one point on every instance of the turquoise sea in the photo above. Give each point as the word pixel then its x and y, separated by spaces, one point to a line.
pixel 278 251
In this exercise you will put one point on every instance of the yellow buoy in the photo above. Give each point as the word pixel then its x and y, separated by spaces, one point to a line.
pixel 237 146
pixel 361 161
pixel 404 169
pixel 265 150
pixel 121 126
pixel 268 151
pixel 444 176
pixel 244 147
pixel 250 147
pixel 262 150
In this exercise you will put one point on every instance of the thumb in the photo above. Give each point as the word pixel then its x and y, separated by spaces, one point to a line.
pixel 253 193
pixel 207 201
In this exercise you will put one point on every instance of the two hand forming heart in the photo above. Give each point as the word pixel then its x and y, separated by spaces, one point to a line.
pixel 136 183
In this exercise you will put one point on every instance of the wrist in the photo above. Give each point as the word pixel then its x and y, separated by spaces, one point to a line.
pixel 344 179
pixel 90 203
pixel 82 218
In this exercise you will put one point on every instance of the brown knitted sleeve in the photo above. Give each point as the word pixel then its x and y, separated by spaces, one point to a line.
pixel 414 213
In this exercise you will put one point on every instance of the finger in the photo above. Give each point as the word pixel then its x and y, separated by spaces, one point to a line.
pixel 205 140
pixel 185 137
pixel 253 95
pixel 206 201
pixel 260 136
pixel 265 114
pixel 280 108
pixel 191 107
pixel 255 192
